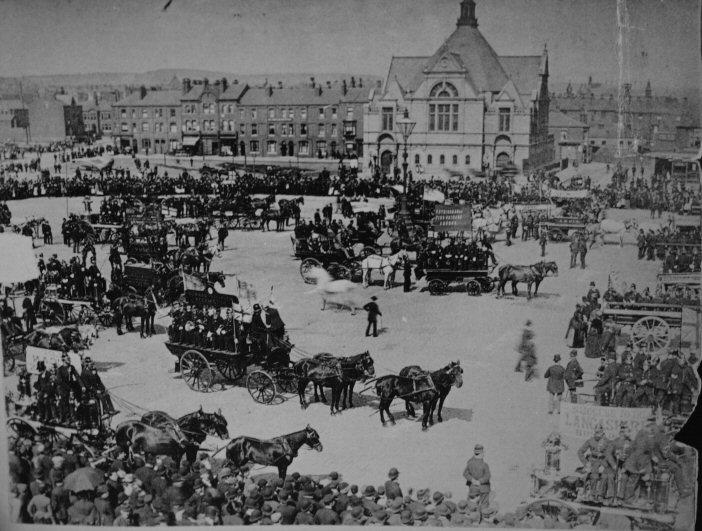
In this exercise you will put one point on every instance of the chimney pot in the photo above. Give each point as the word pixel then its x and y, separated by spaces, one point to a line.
pixel 270 91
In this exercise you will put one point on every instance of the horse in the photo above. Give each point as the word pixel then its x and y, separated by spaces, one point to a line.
pixel 130 306
pixel 532 274
pixel 386 264
pixel 339 292
pixel 195 426
pixel 405 386
pixel 134 436
pixel 278 452
pixel 610 226
pixel 290 208
pixel 340 374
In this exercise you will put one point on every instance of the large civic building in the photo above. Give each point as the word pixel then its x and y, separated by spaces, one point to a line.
pixel 473 109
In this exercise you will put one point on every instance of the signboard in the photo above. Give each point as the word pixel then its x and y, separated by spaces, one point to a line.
pixel 452 218
pixel 569 194
pixel 579 420
pixel 49 357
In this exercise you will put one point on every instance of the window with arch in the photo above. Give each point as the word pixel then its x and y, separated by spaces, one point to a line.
pixel 443 90
pixel 430 160
pixel 416 159
pixel 442 159
pixel 467 159
pixel 455 159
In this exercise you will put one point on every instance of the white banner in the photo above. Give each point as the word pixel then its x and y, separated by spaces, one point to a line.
pixel 579 420
pixel 49 357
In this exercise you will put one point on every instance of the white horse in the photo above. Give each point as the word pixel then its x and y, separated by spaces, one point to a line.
pixel 386 264
pixel 610 226
pixel 340 292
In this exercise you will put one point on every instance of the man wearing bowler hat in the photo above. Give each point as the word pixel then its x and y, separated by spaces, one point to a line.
pixel 373 313
pixel 555 384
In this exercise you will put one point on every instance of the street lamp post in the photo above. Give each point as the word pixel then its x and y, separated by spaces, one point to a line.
pixel 406 126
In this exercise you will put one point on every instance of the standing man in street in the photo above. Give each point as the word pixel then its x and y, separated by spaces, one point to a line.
pixel 222 233
pixel 373 313
pixel 29 316
pixel 582 250
pixel 573 252
pixel 407 273
pixel 477 474
pixel 573 376
pixel 543 237
pixel 555 384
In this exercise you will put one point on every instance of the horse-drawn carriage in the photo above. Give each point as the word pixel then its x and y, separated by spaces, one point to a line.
pixel 264 364
pixel 561 228
pixel 145 249
pixel 473 281
pixel 53 309
pixel 341 263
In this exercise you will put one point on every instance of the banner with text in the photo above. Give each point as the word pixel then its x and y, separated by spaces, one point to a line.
pixel 579 420
pixel 452 218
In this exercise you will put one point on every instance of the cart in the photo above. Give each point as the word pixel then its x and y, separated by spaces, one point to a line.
pixel 559 229
pixel 106 233
pixel 339 264
pixel 473 281
pixel 54 310
pixel 650 323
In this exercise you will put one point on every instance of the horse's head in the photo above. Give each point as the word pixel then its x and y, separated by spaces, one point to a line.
pixel 455 372
pixel 215 424
pixel 312 438
pixel 551 267
pixel 217 278
pixel 365 365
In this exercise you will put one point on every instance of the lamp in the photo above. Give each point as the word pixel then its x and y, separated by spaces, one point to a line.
pixel 406 126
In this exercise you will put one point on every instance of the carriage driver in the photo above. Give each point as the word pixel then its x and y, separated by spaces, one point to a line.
pixel 67 382
pixel 593 455
pixel 259 330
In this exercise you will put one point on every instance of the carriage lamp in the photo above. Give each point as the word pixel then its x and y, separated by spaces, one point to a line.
pixel 406 126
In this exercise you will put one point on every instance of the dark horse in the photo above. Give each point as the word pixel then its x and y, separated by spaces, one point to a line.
pixel 532 274
pixel 134 306
pixel 194 427
pixel 418 386
pixel 278 452
pixel 340 374
pixel 134 436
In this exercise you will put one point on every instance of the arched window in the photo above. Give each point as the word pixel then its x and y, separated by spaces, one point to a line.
pixel 443 90
pixel 442 159
pixel 455 159
pixel 467 160
pixel 416 159
pixel 429 159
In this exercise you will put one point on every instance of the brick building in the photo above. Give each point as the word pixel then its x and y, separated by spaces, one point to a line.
pixel 311 121
pixel 570 137
pixel 148 121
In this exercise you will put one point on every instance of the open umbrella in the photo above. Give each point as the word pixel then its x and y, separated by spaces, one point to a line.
pixel 86 478
pixel 17 262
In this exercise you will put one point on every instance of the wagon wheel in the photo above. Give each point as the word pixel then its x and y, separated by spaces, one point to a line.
pixel 130 260
pixel 52 311
pixel 652 333
pixel 20 429
pixel 556 235
pixel 305 268
pixel 473 287
pixel 229 369
pixel 436 286
pixel 487 284
pixel 196 371
pixel 287 381
pixel 83 314
pixel 341 271
pixel 51 434
pixel 369 250
pixel 261 387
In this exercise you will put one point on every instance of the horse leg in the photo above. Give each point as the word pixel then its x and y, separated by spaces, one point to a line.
pixel 141 326
pixel 441 405
pixel 426 406
pixel 515 291
pixel 321 393
pixel 536 286
pixel 349 389
pixel 282 471
pixel 301 386
pixel 529 290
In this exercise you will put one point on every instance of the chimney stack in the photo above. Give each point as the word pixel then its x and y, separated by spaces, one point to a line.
pixel 270 91
pixel 142 92
pixel 186 85
pixel 206 83
pixel 225 84
pixel 319 90
pixel 344 88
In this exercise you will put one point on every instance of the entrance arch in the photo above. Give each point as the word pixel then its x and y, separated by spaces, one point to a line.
pixel 502 160
pixel 386 161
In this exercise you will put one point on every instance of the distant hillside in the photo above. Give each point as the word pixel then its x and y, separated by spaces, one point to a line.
pixel 165 76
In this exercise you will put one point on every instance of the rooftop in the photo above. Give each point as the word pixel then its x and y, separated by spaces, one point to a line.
pixel 302 96
pixel 153 98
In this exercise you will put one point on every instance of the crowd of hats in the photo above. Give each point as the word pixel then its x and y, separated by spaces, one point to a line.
pixel 158 491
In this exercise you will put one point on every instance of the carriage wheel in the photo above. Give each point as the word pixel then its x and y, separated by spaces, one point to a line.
pixel 473 287
pixel 196 371
pixel 130 260
pixel 305 268
pixel 52 311
pixel 52 435
pixel 652 333
pixel 342 271
pixel 487 284
pixel 436 286
pixel 261 387
pixel 369 250
pixel 83 314
pixel 228 368
pixel 287 381
pixel 556 235
pixel 19 428
pixel 106 318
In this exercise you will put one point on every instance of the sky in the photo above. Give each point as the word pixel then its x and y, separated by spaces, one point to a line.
pixel 354 36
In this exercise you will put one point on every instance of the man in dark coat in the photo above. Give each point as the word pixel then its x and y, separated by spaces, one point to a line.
pixel 407 274
pixel 373 313
pixel 29 318
pixel 555 384
pixel 222 233
pixel 573 375
pixel 276 326
pixel 67 382
pixel 392 487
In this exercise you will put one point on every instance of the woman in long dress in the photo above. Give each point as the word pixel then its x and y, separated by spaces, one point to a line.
pixel 594 334
pixel 578 326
